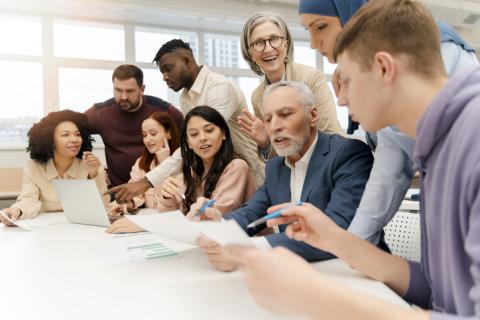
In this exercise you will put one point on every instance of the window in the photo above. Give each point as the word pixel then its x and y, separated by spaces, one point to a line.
pixel 22 99
pixel 80 88
pixel 79 56
pixel 328 68
pixel 223 51
pixel 27 38
pixel 155 86
pixel 149 40
pixel 247 84
pixel 304 55
pixel 86 40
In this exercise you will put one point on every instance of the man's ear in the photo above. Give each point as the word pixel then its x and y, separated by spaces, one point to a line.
pixel 142 88
pixel 313 116
pixel 385 64
pixel 187 59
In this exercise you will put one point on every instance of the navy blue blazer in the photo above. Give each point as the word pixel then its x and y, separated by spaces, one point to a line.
pixel 336 177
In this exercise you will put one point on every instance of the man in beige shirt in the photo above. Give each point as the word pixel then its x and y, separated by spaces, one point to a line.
pixel 200 87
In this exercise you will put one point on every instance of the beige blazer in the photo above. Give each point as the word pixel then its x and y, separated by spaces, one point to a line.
pixel 39 195
pixel 317 82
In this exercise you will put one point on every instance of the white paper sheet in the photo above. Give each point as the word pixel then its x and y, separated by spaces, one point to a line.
pixel 174 225
pixel 40 222
pixel 135 247
pixel 223 232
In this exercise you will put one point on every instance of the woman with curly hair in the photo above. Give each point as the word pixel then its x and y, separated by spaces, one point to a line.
pixel 60 148
pixel 161 138
pixel 210 170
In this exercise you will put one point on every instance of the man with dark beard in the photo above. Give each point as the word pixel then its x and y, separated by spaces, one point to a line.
pixel 119 120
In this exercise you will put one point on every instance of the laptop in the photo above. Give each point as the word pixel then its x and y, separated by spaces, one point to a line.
pixel 81 202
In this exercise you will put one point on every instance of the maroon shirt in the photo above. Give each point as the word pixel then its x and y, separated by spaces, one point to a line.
pixel 121 132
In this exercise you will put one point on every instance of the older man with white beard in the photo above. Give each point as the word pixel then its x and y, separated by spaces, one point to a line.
pixel 328 171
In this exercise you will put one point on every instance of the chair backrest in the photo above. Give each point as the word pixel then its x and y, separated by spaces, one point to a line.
pixel 402 234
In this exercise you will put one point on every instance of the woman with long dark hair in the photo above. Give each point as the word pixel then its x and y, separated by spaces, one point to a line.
pixel 210 170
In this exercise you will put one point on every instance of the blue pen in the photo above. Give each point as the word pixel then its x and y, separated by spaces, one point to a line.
pixel 273 215
pixel 206 205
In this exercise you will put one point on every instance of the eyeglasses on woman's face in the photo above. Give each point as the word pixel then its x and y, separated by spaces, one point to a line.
pixel 274 41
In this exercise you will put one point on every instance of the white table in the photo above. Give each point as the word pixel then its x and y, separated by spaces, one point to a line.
pixel 59 273
pixel 410 206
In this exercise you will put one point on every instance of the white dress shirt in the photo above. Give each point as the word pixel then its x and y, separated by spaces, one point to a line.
pixel 299 171
pixel 297 179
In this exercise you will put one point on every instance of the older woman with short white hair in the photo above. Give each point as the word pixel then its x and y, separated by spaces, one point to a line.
pixel 267 46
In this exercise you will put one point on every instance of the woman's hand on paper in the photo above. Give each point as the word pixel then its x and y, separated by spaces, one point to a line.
pixel 12 213
pixel 217 254
pixel 124 225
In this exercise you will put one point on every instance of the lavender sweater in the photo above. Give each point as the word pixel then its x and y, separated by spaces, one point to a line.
pixel 447 151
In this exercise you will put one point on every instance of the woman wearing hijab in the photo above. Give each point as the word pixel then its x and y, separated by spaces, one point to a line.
pixel 393 168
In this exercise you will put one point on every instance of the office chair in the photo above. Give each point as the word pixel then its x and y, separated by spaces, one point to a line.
pixel 402 234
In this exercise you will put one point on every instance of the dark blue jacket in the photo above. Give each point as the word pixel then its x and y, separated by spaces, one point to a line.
pixel 336 176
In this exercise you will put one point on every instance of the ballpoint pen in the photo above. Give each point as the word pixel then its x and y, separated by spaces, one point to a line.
pixel 206 205
pixel 275 214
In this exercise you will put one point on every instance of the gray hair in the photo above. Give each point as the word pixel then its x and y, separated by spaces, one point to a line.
pixel 257 19
pixel 307 98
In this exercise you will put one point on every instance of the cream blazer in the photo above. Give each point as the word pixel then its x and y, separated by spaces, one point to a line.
pixel 38 194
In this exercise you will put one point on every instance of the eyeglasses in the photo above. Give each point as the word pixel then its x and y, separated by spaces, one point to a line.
pixel 259 45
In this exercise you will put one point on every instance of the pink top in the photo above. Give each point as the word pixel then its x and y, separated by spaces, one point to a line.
pixel 149 197
pixel 235 186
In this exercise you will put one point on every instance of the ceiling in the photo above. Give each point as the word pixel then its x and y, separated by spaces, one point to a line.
pixel 226 15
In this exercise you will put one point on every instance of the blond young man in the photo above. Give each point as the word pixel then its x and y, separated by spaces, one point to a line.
pixel 391 68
